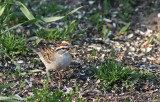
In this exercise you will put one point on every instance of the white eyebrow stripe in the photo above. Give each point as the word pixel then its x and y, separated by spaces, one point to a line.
pixel 64 42
pixel 62 47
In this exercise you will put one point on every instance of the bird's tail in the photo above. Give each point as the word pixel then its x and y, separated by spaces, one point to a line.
pixel 34 49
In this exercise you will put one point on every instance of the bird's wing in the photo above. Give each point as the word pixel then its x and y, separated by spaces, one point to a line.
pixel 48 54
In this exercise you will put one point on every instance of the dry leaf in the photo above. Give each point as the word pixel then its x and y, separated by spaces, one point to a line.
pixel 155 61
pixel 132 67
pixel 1 74
pixel 146 86
pixel 12 23
pixel 110 26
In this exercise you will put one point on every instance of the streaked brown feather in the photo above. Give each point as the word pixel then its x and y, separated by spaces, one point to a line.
pixel 47 54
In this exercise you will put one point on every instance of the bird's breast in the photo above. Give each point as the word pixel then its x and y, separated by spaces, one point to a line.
pixel 62 61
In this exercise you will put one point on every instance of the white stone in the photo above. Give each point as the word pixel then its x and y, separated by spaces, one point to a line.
pixel 96 47
pixel 149 31
pixel 143 49
pixel 117 49
pixel 151 58
pixel 32 38
pixel 88 79
pixel 20 61
pixel 114 25
pixel 148 49
pixel 140 55
pixel 142 33
pixel 130 36
pixel 144 59
pixel 132 49
pixel 99 7
pixel 98 81
pixel 107 20
pixel 129 53
pixel 5 64
pixel 16 95
pixel 18 30
pixel 103 55
pixel 91 2
pixel 158 15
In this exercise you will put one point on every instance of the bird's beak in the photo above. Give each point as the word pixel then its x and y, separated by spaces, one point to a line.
pixel 70 47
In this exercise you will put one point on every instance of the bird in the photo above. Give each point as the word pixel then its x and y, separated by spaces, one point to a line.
pixel 54 58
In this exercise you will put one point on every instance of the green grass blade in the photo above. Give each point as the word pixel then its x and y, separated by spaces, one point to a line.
pixel 16 98
pixel 7 85
pixel 2 10
pixel 25 11
pixel 124 28
pixel 2 3
pixel 12 28
pixel 6 99
pixel 29 15
pixel 27 22
pixel 52 19
pixel 11 99
pixel 34 71
pixel 74 10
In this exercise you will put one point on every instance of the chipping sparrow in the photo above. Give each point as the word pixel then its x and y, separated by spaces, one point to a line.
pixel 55 58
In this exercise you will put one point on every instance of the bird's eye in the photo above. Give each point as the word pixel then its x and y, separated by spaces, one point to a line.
pixel 63 48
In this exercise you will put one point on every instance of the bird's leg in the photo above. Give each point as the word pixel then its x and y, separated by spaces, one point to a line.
pixel 48 75
pixel 60 76
pixel 52 83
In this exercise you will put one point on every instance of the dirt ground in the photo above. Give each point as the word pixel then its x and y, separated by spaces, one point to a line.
pixel 131 49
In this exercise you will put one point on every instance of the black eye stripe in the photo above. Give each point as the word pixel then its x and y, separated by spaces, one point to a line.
pixel 62 49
